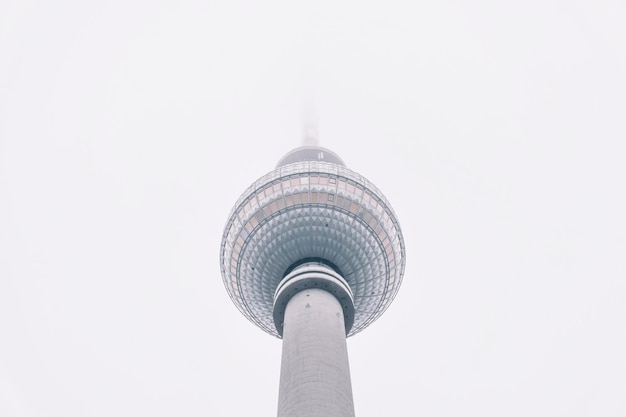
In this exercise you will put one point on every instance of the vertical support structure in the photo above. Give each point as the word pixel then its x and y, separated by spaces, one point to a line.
pixel 313 311
pixel 314 375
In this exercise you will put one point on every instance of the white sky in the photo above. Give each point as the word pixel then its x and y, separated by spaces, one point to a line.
pixel 496 129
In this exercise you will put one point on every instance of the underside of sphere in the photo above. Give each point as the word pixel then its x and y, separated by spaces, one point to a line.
pixel 312 210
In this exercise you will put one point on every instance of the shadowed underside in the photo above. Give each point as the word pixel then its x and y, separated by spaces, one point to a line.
pixel 312 209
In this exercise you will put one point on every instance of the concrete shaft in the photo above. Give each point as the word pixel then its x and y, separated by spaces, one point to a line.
pixel 314 375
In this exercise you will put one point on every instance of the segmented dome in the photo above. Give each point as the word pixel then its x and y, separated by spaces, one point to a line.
pixel 313 210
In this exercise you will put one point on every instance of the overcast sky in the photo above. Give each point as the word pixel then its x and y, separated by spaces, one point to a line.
pixel 496 129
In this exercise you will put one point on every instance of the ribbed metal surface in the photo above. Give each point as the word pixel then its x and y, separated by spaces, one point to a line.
pixel 312 210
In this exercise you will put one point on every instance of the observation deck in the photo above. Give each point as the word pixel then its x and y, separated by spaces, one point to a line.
pixel 311 207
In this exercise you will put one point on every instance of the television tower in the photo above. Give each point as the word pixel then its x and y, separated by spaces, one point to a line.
pixel 312 253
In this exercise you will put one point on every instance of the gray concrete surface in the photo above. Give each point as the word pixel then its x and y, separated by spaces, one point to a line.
pixel 314 375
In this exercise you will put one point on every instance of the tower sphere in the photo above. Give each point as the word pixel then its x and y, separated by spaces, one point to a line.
pixel 312 208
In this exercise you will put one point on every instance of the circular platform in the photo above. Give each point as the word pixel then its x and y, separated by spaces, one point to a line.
pixel 312 210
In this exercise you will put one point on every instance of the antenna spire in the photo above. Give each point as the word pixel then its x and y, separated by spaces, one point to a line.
pixel 309 125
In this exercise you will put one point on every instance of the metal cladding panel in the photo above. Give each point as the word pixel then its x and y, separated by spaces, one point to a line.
pixel 312 210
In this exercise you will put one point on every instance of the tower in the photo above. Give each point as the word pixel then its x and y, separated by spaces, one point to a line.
pixel 312 253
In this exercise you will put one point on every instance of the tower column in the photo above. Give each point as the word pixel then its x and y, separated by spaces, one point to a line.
pixel 314 375
pixel 313 311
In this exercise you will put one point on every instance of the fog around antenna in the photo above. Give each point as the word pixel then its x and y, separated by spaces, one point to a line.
pixel 309 125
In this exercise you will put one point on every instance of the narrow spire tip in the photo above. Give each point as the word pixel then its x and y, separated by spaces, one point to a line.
pixel 311 137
